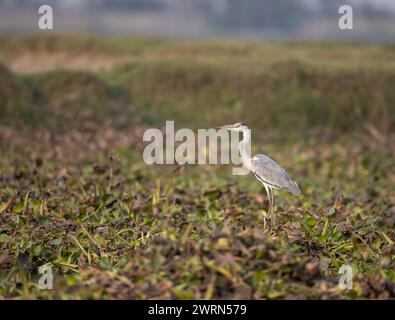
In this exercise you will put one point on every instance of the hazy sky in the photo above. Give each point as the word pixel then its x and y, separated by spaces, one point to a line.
pixel 267 19
pixel 380 4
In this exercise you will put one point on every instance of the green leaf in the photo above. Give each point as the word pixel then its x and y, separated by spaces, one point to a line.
pixel 311 222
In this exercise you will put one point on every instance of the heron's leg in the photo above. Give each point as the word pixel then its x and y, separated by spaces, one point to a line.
pixel 263 213
pixel 272 200
pixel 272 217
pixel 268 196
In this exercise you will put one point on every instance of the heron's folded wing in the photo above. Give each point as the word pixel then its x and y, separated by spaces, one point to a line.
pixel 273 174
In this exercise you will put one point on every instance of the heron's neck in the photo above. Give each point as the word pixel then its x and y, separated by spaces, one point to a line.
pixel 245 148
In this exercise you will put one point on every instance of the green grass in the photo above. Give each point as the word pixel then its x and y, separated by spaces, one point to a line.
pixel 76 195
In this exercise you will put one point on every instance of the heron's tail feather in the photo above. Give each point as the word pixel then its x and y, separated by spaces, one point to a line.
pixel 293 188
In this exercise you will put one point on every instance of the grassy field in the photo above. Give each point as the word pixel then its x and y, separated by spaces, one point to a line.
pixel 75 193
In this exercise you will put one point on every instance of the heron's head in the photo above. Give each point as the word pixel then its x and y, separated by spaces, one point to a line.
pixel 239 126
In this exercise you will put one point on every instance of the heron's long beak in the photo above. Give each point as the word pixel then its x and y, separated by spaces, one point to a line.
pixel 226 127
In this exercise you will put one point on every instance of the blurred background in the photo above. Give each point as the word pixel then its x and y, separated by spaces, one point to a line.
pixel 283 66
pixel 261 19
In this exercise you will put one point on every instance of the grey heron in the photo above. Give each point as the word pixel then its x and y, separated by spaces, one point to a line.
pixel 266 170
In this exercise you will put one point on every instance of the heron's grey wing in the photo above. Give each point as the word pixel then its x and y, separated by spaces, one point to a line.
pixel 270 172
